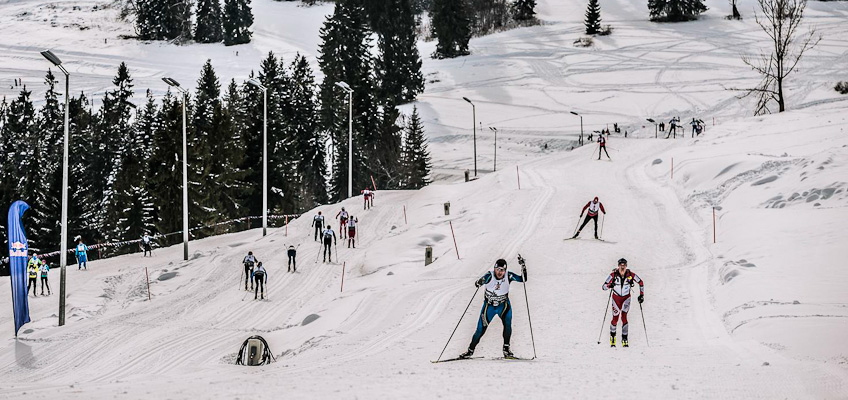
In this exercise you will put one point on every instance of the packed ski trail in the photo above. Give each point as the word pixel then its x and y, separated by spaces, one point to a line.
pixel 378 336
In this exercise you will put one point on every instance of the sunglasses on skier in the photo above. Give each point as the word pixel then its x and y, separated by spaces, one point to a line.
pixel 500 268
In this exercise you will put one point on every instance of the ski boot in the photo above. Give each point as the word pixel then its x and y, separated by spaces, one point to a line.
pixel 467 354
pixel 596 236
pixel 507 352
pixel 612 340
pixel 624 341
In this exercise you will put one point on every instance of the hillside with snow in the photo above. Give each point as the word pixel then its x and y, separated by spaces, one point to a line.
pixel 757 314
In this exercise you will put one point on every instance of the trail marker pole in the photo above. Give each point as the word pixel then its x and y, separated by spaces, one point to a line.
pixel 672 167
pixel 287 225
pixel 714 226
pixel 518 176
pixel 343 273
pixel 148 283
pixel 404 216
pixel 454 240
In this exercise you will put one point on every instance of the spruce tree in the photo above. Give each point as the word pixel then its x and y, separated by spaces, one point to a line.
pixel 398 68
pixel 205 122
pixel 416 157
pixel 83 180
pixel 23 145
pixel 208 27
pixel 593 18
pixel 451 25
pixel 5 171
pixel 345 57
pixel 229 150
pixel 385 162
pixel 163 20
pixel 524 10
pixel 166 180
pixel 48 200
pixel 309 140
pixel 238 19
pixel 675 10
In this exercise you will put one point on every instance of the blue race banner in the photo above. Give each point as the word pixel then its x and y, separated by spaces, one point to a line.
pixel 17 263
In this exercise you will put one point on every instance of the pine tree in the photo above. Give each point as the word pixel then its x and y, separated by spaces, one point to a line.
pixel 524 10
pixel 84 177
pixel 593 18
pixel 229 150
pixel 385 164
pixel 416 157
pixel 5 171
pixel 451 25
pixel 209 28
pixel 163 20
pixel 675 10
pixel 205 123
pixel 238 19
pixel 309 141
pixel 345 57
pixel 23 144
pixel 398 68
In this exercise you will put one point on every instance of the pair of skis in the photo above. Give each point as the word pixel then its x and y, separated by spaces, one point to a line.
pixel 478 358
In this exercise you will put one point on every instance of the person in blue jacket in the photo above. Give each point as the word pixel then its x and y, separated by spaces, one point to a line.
pixel 496 283
pixel 82 255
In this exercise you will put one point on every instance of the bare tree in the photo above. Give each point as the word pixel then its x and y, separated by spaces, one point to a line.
pixel 780 21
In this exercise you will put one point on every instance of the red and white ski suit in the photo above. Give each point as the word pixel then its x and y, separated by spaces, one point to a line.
pixel 621 285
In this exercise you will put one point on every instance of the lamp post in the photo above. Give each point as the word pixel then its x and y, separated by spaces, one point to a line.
pixel 656 128
pixel 581 126
pixel 474 125
pixel 176 85
pixel 495 130
pixel 349 91
pixel 264 90
pixel 63 246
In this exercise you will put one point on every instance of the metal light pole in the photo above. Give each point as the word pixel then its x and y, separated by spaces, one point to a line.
pixel 349 91
pixel 496 146
pixel 63 246
pixel 581 126
pixel 474 125
pixel 259 85
pixel 656 128
pixel 176 85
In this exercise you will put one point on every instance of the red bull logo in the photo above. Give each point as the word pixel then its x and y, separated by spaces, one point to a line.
pixel 17 249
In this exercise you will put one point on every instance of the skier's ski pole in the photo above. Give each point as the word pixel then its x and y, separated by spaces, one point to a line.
pixel 457 323
pixel 605 317
pixel 527 302
pixel 578 225
pixel 643 325
pixel 603 218
pixel 317 256
pixel 336 245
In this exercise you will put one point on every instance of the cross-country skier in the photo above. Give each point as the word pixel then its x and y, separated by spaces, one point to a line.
pixel 496 284
pixel 602 145
pixel 673 125
pixel 292 253
pixel 147 244
pixel 44 270
pixel 368 198
pixel 594 206
pixel 33 266
pixel 329 241
pixel 621 280
pixel 249 261
pixel 342 217
pixel 82 255
pixel 318 223
pixel 351 231
pixel 260 276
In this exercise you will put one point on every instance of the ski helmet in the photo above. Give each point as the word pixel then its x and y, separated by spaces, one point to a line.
pixel 250 253
pixel 342 208
pixel 622 261
pixel 596 198
pixel 501 263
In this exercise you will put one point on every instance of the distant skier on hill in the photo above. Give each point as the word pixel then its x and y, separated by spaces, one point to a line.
pixel 329 240
pixel 342 216
pixel 147 245
pixel 249 261
pixel 82 255
pixel 260 276
pixel 44 270
pixel 621 281
pixel 351 231
pixel 318 223
pixel 292 253
pixel 496 283
pixel 602 145
pixel 368 198
pixel 594 206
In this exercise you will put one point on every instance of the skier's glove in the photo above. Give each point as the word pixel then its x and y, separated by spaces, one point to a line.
pixel 478 283
pixel 641 298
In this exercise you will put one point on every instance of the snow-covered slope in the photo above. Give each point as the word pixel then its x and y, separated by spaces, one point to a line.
pixel 721 318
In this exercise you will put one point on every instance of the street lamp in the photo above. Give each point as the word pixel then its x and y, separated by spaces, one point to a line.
pixel 656 128
pixel 493 129
pixel 581 126
pixel 176 85
pixel 474 125
pixel 349 91
pixel 264 90
pixel 63 246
